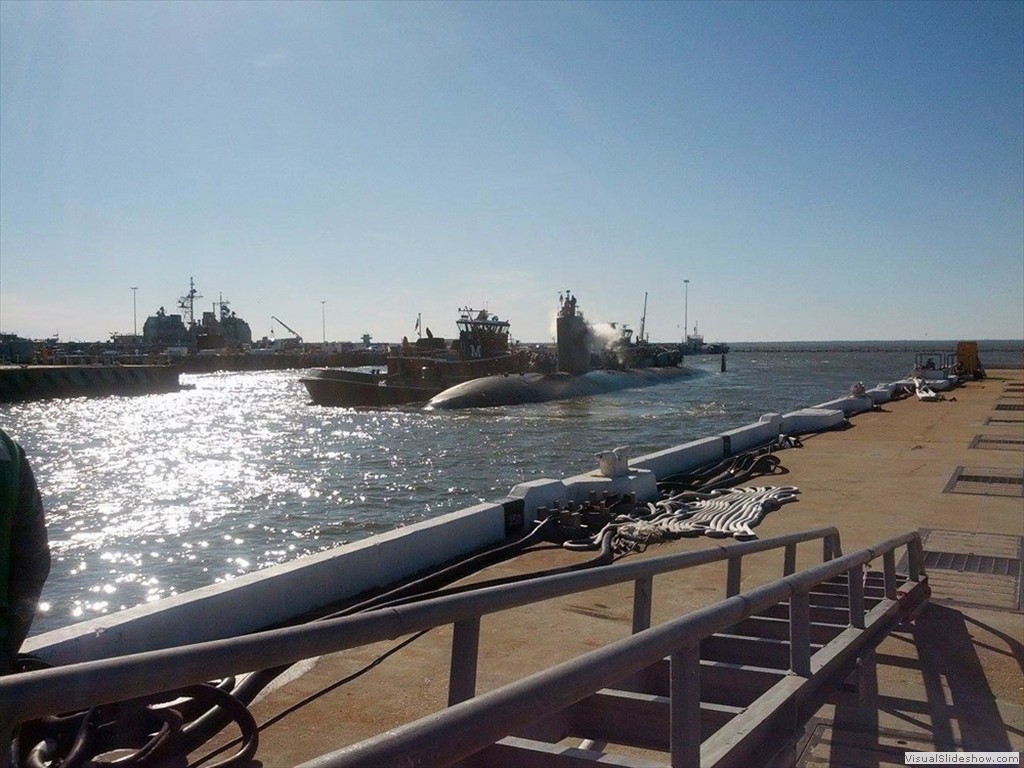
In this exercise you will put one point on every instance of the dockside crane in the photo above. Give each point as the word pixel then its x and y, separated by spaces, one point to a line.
pixel 284 325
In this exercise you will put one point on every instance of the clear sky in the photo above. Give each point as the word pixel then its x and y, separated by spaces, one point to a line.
pixel 816 170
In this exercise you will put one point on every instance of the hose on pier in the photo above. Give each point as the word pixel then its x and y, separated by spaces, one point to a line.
pixel 733 470
pixel 162 730
pixel 433 585
pixel 163 724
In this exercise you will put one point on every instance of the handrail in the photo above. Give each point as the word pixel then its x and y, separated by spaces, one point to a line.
pixel 35 694
pixel 472 725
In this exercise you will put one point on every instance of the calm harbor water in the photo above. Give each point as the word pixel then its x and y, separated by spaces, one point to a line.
pixel 147 497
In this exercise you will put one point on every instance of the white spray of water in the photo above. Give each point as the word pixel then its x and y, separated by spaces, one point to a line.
pixel 600 337
pixel 605 337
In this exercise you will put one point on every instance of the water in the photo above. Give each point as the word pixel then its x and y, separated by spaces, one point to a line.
pixel 151 496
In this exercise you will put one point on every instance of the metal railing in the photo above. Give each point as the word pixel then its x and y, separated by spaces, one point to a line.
pixel 76 686
pixel 466 728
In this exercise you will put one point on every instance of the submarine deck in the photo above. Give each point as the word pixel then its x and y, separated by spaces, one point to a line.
pixel 951 681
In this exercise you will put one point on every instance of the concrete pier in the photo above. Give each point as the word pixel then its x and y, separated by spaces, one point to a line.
pixel 950 681
pixel 39 382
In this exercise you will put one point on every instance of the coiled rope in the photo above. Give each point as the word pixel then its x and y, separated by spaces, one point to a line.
pixel 699 503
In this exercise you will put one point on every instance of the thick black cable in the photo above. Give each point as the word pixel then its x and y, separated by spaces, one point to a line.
pixel 250 685
pixel 313 697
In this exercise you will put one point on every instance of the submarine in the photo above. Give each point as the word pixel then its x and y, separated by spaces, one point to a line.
pixel 637 364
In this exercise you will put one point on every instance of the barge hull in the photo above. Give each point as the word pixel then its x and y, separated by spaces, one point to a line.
pixel 354 389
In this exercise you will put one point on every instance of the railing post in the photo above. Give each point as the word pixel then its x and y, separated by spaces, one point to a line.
pixel 889 570
pixel 732 579
pixel 789 568
pixel 826 549
pixel 684 707
pixel 867 679
pixel 800 633
pixel 465 649
pixel 855 579
pixel 915 559
pixel 643 590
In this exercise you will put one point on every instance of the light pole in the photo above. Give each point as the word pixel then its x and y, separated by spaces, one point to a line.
pixel 323 320
pixel 135 316
pixel 686 310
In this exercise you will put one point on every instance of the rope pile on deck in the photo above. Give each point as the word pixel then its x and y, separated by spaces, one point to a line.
pixel 718 514
pixel 698 503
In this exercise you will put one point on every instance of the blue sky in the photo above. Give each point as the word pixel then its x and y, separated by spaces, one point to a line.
pixel 816 170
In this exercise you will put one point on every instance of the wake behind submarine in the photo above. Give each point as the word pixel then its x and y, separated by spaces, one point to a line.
pixel 637 364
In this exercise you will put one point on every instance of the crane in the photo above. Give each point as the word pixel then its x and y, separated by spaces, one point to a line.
pixel 284 325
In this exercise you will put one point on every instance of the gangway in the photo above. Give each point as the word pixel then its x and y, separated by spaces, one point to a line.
pixel 729 684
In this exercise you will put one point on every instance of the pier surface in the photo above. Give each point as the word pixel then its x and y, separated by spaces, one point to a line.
pixel 950 681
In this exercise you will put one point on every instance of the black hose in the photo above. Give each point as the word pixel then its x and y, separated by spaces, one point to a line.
pixel 606 555
pixel 728 472
pixel 452 572
pixel 250 685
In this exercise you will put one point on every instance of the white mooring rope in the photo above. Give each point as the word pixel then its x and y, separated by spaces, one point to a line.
pixel 719 513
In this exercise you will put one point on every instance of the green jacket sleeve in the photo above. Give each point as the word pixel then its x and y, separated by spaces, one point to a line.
pixel 28 564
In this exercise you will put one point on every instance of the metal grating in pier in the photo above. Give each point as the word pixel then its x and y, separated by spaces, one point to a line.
pixel 971 563
pixel 988 442
pixel 974 569
pixel 992 421
pixel 987 481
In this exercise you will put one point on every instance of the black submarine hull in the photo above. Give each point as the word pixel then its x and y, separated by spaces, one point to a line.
pixel 519 389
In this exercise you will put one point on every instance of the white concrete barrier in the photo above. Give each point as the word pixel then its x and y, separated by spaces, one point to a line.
pixel 642 482
pixel 682 458
pixel 751 436
pixel 539 493
pixel 808 420
pixel 849 405
pixel 273 595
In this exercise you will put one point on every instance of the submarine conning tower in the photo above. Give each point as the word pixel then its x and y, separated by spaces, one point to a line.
pixel 571 336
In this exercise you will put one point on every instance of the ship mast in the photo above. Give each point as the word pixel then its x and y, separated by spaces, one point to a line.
pixel 187 303
pixel 643 319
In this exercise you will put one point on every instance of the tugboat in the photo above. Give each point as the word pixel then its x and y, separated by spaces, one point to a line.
pixel 419 370
pixel 695 345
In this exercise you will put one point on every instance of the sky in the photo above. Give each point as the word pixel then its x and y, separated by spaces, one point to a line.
pixel 814 170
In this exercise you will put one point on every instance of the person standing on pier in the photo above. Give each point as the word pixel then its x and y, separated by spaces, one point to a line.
pixel 24 550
